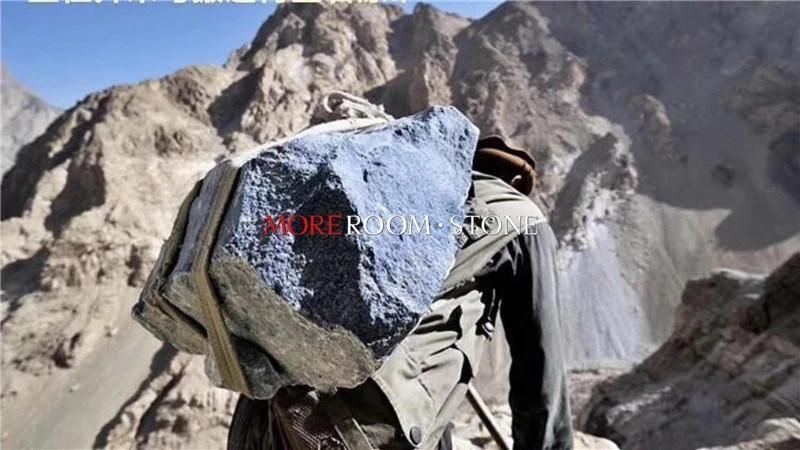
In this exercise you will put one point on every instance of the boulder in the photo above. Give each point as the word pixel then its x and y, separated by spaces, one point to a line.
pixel 323 310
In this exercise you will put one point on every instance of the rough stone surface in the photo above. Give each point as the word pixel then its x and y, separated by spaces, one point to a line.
pixel 329 308
pixel 731 364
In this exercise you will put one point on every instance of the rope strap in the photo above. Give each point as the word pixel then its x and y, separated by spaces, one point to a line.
pixel 341 105
pixel 219 337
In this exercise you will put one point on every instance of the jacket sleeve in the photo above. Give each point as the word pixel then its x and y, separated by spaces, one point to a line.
pixel 527 289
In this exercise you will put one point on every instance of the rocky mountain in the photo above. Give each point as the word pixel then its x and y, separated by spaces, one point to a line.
pixel 708 96
pixel 23 117
pixel 665 135
pixel 731 364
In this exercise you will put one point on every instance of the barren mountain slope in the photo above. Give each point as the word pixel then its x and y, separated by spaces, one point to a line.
pixel 709 94
pixel 731 364
pixel 88 203
pixel 23 117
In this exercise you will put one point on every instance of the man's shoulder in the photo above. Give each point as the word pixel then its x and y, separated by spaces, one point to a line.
pixel 498 200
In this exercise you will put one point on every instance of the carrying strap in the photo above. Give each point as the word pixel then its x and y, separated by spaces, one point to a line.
pixel 341 105
pixel 222 349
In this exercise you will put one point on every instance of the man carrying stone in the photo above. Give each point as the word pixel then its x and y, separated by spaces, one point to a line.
pixel 410 401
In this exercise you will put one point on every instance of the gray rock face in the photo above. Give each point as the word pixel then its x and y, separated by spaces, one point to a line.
pixel 726 378
pixel 328 308
pixel 24 117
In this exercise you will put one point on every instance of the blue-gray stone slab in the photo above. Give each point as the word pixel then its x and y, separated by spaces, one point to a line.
pixel 328 309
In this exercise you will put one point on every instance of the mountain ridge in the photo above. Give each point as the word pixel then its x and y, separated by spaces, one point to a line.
pixel 24 116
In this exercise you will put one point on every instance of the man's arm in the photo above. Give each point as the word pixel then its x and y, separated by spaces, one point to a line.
pixel 529 309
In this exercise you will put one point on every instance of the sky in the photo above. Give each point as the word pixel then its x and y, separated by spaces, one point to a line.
pixel 62 52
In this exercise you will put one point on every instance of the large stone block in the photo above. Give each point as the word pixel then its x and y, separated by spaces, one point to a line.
pixel 328 309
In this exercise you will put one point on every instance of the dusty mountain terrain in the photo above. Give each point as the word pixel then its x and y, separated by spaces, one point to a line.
pixel 23 117
pixel 708 96
pixel 667 147
pixel 732 364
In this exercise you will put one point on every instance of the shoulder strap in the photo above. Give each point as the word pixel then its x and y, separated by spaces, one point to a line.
pixel 501 214
pixel 222 349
